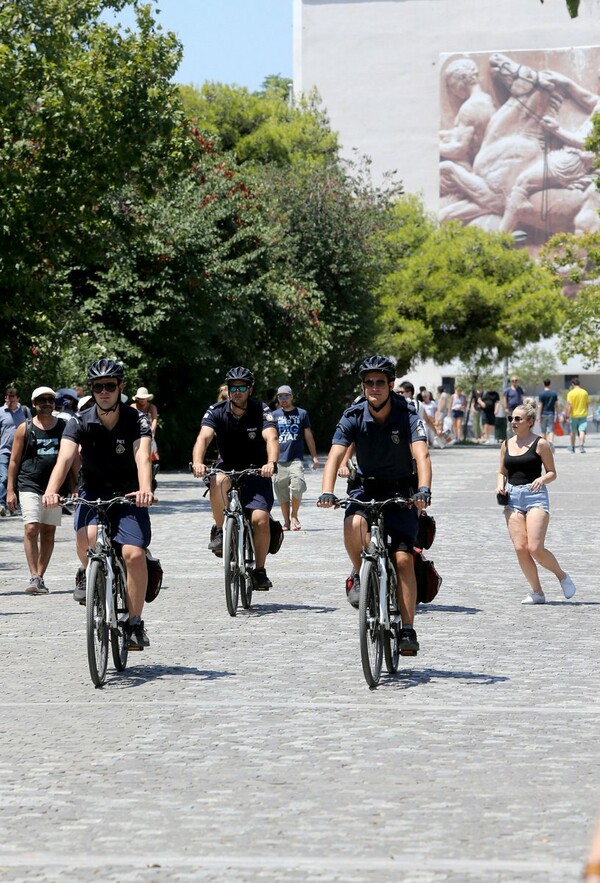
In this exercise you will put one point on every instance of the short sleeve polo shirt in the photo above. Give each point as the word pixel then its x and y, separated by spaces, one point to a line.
pixel 240 442
pixel 382 449
pixel 107 455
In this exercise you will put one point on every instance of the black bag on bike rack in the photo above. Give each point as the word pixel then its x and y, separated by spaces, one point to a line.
pixel 425 530
pixel 276 536
pixel 155 577
pixel 428 579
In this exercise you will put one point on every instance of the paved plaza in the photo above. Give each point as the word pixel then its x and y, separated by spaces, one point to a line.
pixel 251 748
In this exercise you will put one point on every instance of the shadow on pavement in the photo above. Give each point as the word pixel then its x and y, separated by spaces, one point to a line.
pixel 49 595
pixel 16 613
pixel 403 679
pixel 266 609
pixel 446 608
pixel 137 675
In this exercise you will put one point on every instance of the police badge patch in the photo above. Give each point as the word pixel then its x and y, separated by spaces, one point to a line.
pixel 120 448
pixel 396 437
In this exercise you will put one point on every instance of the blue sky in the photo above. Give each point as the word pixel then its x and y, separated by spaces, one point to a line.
pixel 231 41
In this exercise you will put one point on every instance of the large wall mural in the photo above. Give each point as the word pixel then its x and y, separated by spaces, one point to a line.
pixel 513 126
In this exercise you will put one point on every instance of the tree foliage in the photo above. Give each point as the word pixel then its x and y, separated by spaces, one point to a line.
pixel 86 110
pixel 462 293
pixel 268 126
pixel 575 262
pixel 572 6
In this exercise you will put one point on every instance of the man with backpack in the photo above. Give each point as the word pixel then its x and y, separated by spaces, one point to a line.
pixel 34 452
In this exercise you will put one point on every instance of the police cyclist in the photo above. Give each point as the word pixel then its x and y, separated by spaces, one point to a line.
pixel 246 436
pixel 390 441
pixel 115 444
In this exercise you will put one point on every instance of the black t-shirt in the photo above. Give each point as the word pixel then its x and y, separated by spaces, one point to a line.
pixel 489 399
pixel 108 462
pixel 240 442
pixel 40 452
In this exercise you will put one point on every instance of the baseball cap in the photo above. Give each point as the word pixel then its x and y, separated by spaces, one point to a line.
pixel 40 391
pixel 286 390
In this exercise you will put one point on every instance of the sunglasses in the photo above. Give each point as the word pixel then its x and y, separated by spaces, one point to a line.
pixel 516 419
pixel 281 398
pixel 45 400
pixel 241 388
pixel 370 383
pixel 109 387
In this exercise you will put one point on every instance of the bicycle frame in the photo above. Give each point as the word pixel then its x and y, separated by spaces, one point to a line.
pixel 376 552
pixel 235 510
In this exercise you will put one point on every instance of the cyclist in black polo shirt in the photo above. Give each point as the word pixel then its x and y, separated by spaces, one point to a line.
pixel 115 443
pixel 246 436
pixel 388 437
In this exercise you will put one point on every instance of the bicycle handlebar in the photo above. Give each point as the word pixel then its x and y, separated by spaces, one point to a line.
pixel 95 504
pixel 403 502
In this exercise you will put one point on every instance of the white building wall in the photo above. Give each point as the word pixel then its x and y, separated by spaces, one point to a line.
pixel 376 63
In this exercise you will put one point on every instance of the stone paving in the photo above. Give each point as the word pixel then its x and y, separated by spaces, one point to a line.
pixel 251 749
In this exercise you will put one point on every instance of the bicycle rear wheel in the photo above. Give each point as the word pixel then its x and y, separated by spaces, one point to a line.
pixel 96 624
pixel 246 584
pixel 370 628
pixel 231 564
pixel 118 638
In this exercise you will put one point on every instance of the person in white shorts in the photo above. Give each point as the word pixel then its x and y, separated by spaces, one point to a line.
pixel 34 453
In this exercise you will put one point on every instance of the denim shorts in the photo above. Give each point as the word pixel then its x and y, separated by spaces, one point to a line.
pixel 547 422
pixel 521 498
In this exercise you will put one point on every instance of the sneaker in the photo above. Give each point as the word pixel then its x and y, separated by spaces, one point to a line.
pixel 353 589
pixel 582 450
pixel 137 638
pixel 3 511
pixel 262 583
pixel 42 587
pixel 79 592
pixel 568 586
pixel 216 541
pixel 33 586
pixel 534 598
pixel 409 646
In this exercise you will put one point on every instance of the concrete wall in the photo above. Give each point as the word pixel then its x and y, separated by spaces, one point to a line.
pixel 376 65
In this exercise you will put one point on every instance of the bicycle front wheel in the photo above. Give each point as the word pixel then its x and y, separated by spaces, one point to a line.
pixel 370 628
pixel 231 564
pixel 118 638
pixel 246 584
pixel 97 626
pixel 391 637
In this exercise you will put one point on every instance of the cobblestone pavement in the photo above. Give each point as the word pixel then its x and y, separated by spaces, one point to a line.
pixel 251 749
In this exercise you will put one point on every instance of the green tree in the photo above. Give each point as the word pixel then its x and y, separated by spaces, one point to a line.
pixel 268 126
pixel 87 110
pixel 462 293
pixel 572 6
pixel 575 262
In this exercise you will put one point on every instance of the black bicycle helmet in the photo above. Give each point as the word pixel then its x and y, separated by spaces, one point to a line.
pixel 240 375
pixel 105 368
pixel 377 363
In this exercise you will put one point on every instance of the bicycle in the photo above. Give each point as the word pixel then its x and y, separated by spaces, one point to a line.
pixel 378 615
pixel 106 599
pixel 239 553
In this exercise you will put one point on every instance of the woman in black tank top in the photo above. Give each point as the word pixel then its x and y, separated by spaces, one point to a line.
pixel 526 467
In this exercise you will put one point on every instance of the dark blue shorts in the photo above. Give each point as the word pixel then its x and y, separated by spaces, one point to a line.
pixel 400 524
pixel 129 525
pixel 257 493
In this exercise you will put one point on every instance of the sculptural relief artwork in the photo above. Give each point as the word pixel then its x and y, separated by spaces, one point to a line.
pixel 512 133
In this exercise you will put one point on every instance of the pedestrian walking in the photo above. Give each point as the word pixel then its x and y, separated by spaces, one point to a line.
pixel 548 412
pixel 512 396
pixel 578 400
pixel 293 427
pixel 526 468
pixel 12 414
pixel 34 453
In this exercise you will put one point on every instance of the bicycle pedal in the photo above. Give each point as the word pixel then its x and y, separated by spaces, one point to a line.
pixel 218 553
pixel 408 652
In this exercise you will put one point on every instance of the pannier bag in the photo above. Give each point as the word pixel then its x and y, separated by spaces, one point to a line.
pixel 428 579
pixel 425 530
pixel 155 577
pixel 276 536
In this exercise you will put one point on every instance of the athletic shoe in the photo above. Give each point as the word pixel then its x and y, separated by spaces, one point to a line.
pixel 216 542
pixel 3 511
pixel 568 586
pixel 33 586
pixel 137 638
pixel 534 598
pixel 262 583
pixel 42 587
pixel 582 450
pixel 409 646
pixel 353 590
pixel 79 592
